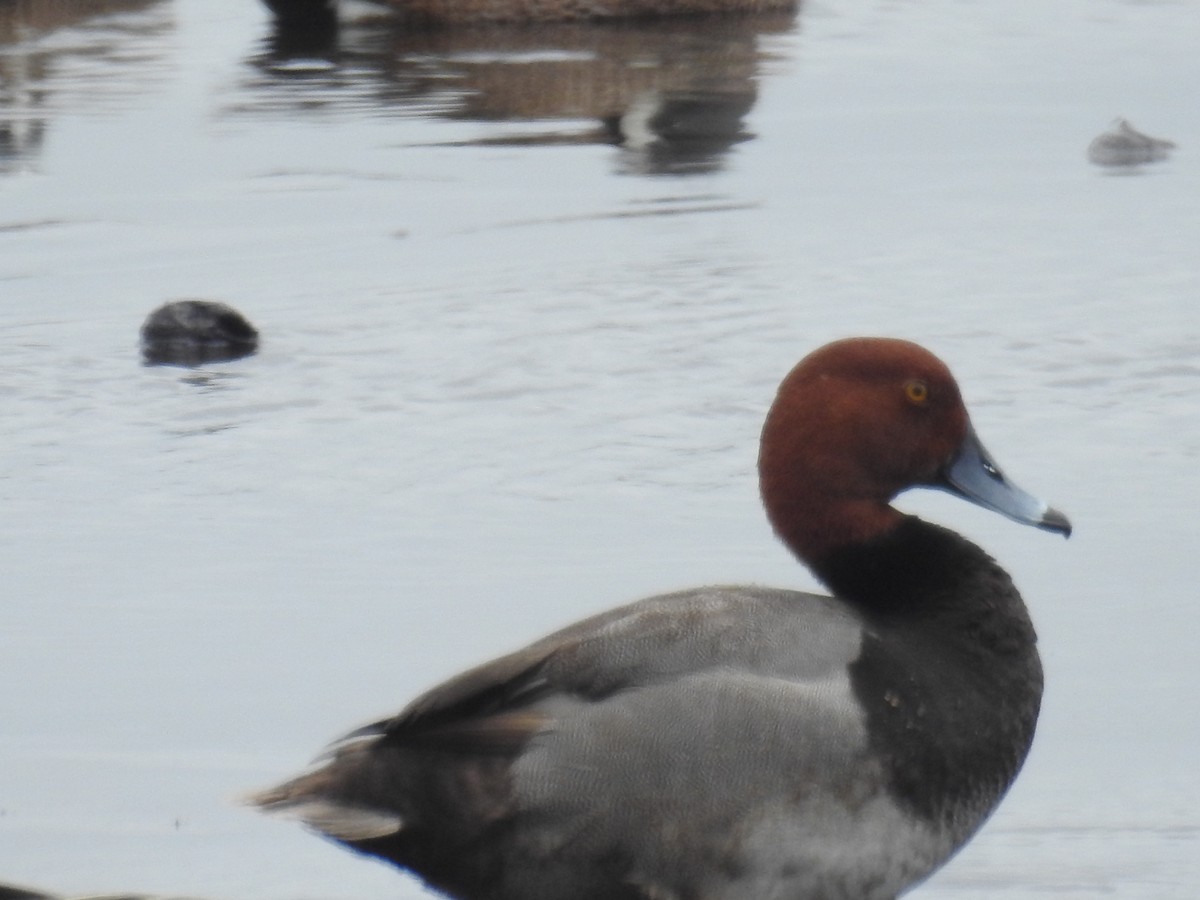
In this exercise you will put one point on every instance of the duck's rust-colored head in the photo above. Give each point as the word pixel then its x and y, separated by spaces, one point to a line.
pixel 860 420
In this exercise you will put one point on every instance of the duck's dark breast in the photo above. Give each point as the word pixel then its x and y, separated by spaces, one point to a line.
pixel 949 676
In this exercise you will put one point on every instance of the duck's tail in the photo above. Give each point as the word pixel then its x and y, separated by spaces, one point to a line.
pixel 313 799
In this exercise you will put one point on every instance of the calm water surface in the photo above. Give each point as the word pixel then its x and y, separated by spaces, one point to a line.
pixel 514 371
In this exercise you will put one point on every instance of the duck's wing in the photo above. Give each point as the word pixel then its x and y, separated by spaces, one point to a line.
pixel 761 631
pixel 722 672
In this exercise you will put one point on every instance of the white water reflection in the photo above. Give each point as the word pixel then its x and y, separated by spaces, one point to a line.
pixel 513 372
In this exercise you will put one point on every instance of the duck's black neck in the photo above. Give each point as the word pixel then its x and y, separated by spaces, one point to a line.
pixel 919 572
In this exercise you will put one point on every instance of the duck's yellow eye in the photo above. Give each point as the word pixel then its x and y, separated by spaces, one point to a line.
pixel 917 392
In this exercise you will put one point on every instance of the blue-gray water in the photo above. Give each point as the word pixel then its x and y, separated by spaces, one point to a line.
pixel 513 373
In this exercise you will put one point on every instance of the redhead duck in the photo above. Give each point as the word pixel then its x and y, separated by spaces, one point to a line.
pixel 738 742
pixel 325 13
pixel 194 332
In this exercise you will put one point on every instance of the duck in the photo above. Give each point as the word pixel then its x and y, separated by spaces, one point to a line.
pixel 194 332
pixel 744 742
pixel 325 14
pixel 1125 146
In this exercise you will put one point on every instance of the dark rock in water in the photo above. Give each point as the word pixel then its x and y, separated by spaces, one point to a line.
pixel 194 332
pixel 1126 146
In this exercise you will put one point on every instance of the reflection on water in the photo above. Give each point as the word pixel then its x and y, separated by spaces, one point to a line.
pixel 30 55
pixel 26 19
pixel 674 93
